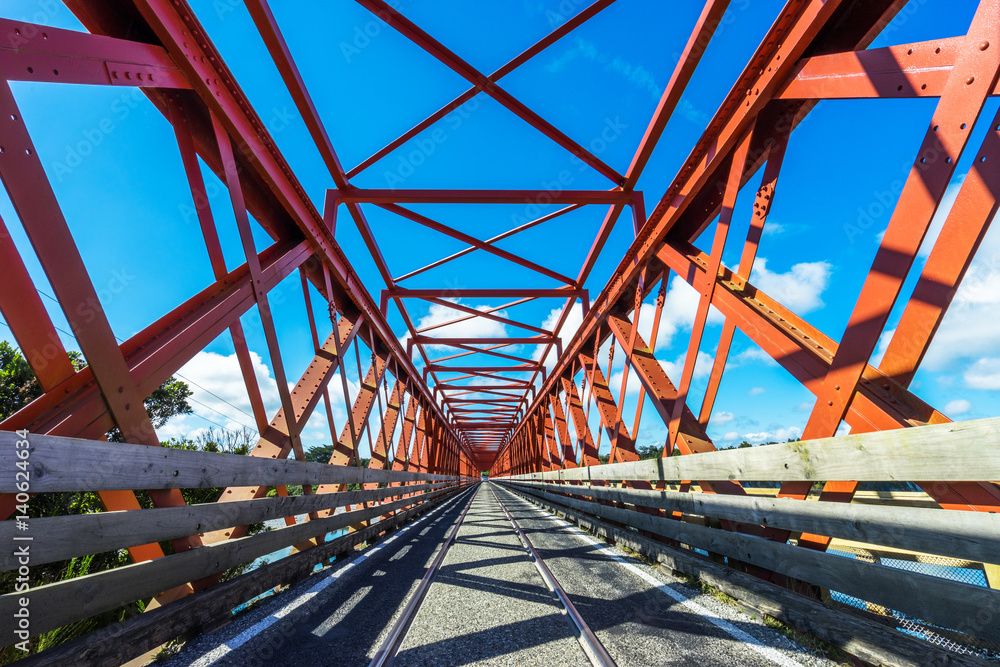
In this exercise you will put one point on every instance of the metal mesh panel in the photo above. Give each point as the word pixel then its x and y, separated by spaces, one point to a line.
pixel 935 566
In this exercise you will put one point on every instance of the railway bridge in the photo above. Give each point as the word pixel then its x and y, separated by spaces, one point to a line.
pixel 539 409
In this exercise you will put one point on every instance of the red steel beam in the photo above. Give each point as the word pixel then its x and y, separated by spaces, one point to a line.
pixel 488 242
pixel 354 195
pixel 409 30
pixel 904 70
pixel 42 53
pixel 519 60
pixel 476 243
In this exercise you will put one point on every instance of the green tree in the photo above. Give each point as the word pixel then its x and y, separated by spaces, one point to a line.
pixel 319 453
pixel 168 400
pixel 18 385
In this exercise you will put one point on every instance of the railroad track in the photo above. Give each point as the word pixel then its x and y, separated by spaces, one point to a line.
pixel 591 645
pixel 387 651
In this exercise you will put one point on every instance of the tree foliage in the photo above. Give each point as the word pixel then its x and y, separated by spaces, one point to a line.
pixel 18 385
pixel 319 453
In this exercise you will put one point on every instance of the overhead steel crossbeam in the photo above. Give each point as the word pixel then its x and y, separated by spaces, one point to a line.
pixel 619 197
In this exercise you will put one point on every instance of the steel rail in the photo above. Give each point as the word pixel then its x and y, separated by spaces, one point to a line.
pixel 592 646
pixel 387 651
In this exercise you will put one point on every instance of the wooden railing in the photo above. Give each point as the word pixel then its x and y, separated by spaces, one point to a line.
pixel 54 464
pixel 735 528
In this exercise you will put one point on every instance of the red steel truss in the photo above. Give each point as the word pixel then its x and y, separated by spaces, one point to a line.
pixel 485 404
pixel 815 50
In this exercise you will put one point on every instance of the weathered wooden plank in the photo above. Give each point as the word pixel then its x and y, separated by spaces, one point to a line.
pixel 951 604
pixel 63 537
pixel 75 464
pixel 872 642
pixel 54 605
pixel 963 452
pixel 971 536
pixel 117 644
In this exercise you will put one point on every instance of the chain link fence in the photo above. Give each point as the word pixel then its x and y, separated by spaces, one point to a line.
pixel 936 566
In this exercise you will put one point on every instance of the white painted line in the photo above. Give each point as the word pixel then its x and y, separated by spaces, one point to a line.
pixel 342 611
pixel 752 642
pixel 234 643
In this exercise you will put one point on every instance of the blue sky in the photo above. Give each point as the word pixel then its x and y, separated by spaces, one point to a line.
pixel 116 171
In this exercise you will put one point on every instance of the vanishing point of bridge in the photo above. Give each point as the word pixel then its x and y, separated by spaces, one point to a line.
pixel 487 498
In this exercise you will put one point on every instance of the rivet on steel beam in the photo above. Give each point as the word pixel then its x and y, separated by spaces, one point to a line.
pixel 985 45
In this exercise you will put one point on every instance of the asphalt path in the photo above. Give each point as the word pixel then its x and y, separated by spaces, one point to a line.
pixel 641 615
pixel 339 615
pixel 488 604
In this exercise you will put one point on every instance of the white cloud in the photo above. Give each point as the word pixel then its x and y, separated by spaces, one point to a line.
pixel 569 328
pixel 474 327
pixel 798 289
pixel 666 331
pixel 615 384
pixel 756 391
pixel 947 201
pixel 957 407
pixel 722 417
pixel 675 369
pixel 773 229
pixel 983 374
pixel 780 434
pixel 752 354
pixel 969 331
pixel 681 305
pixel 730 436
pixel 220 395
